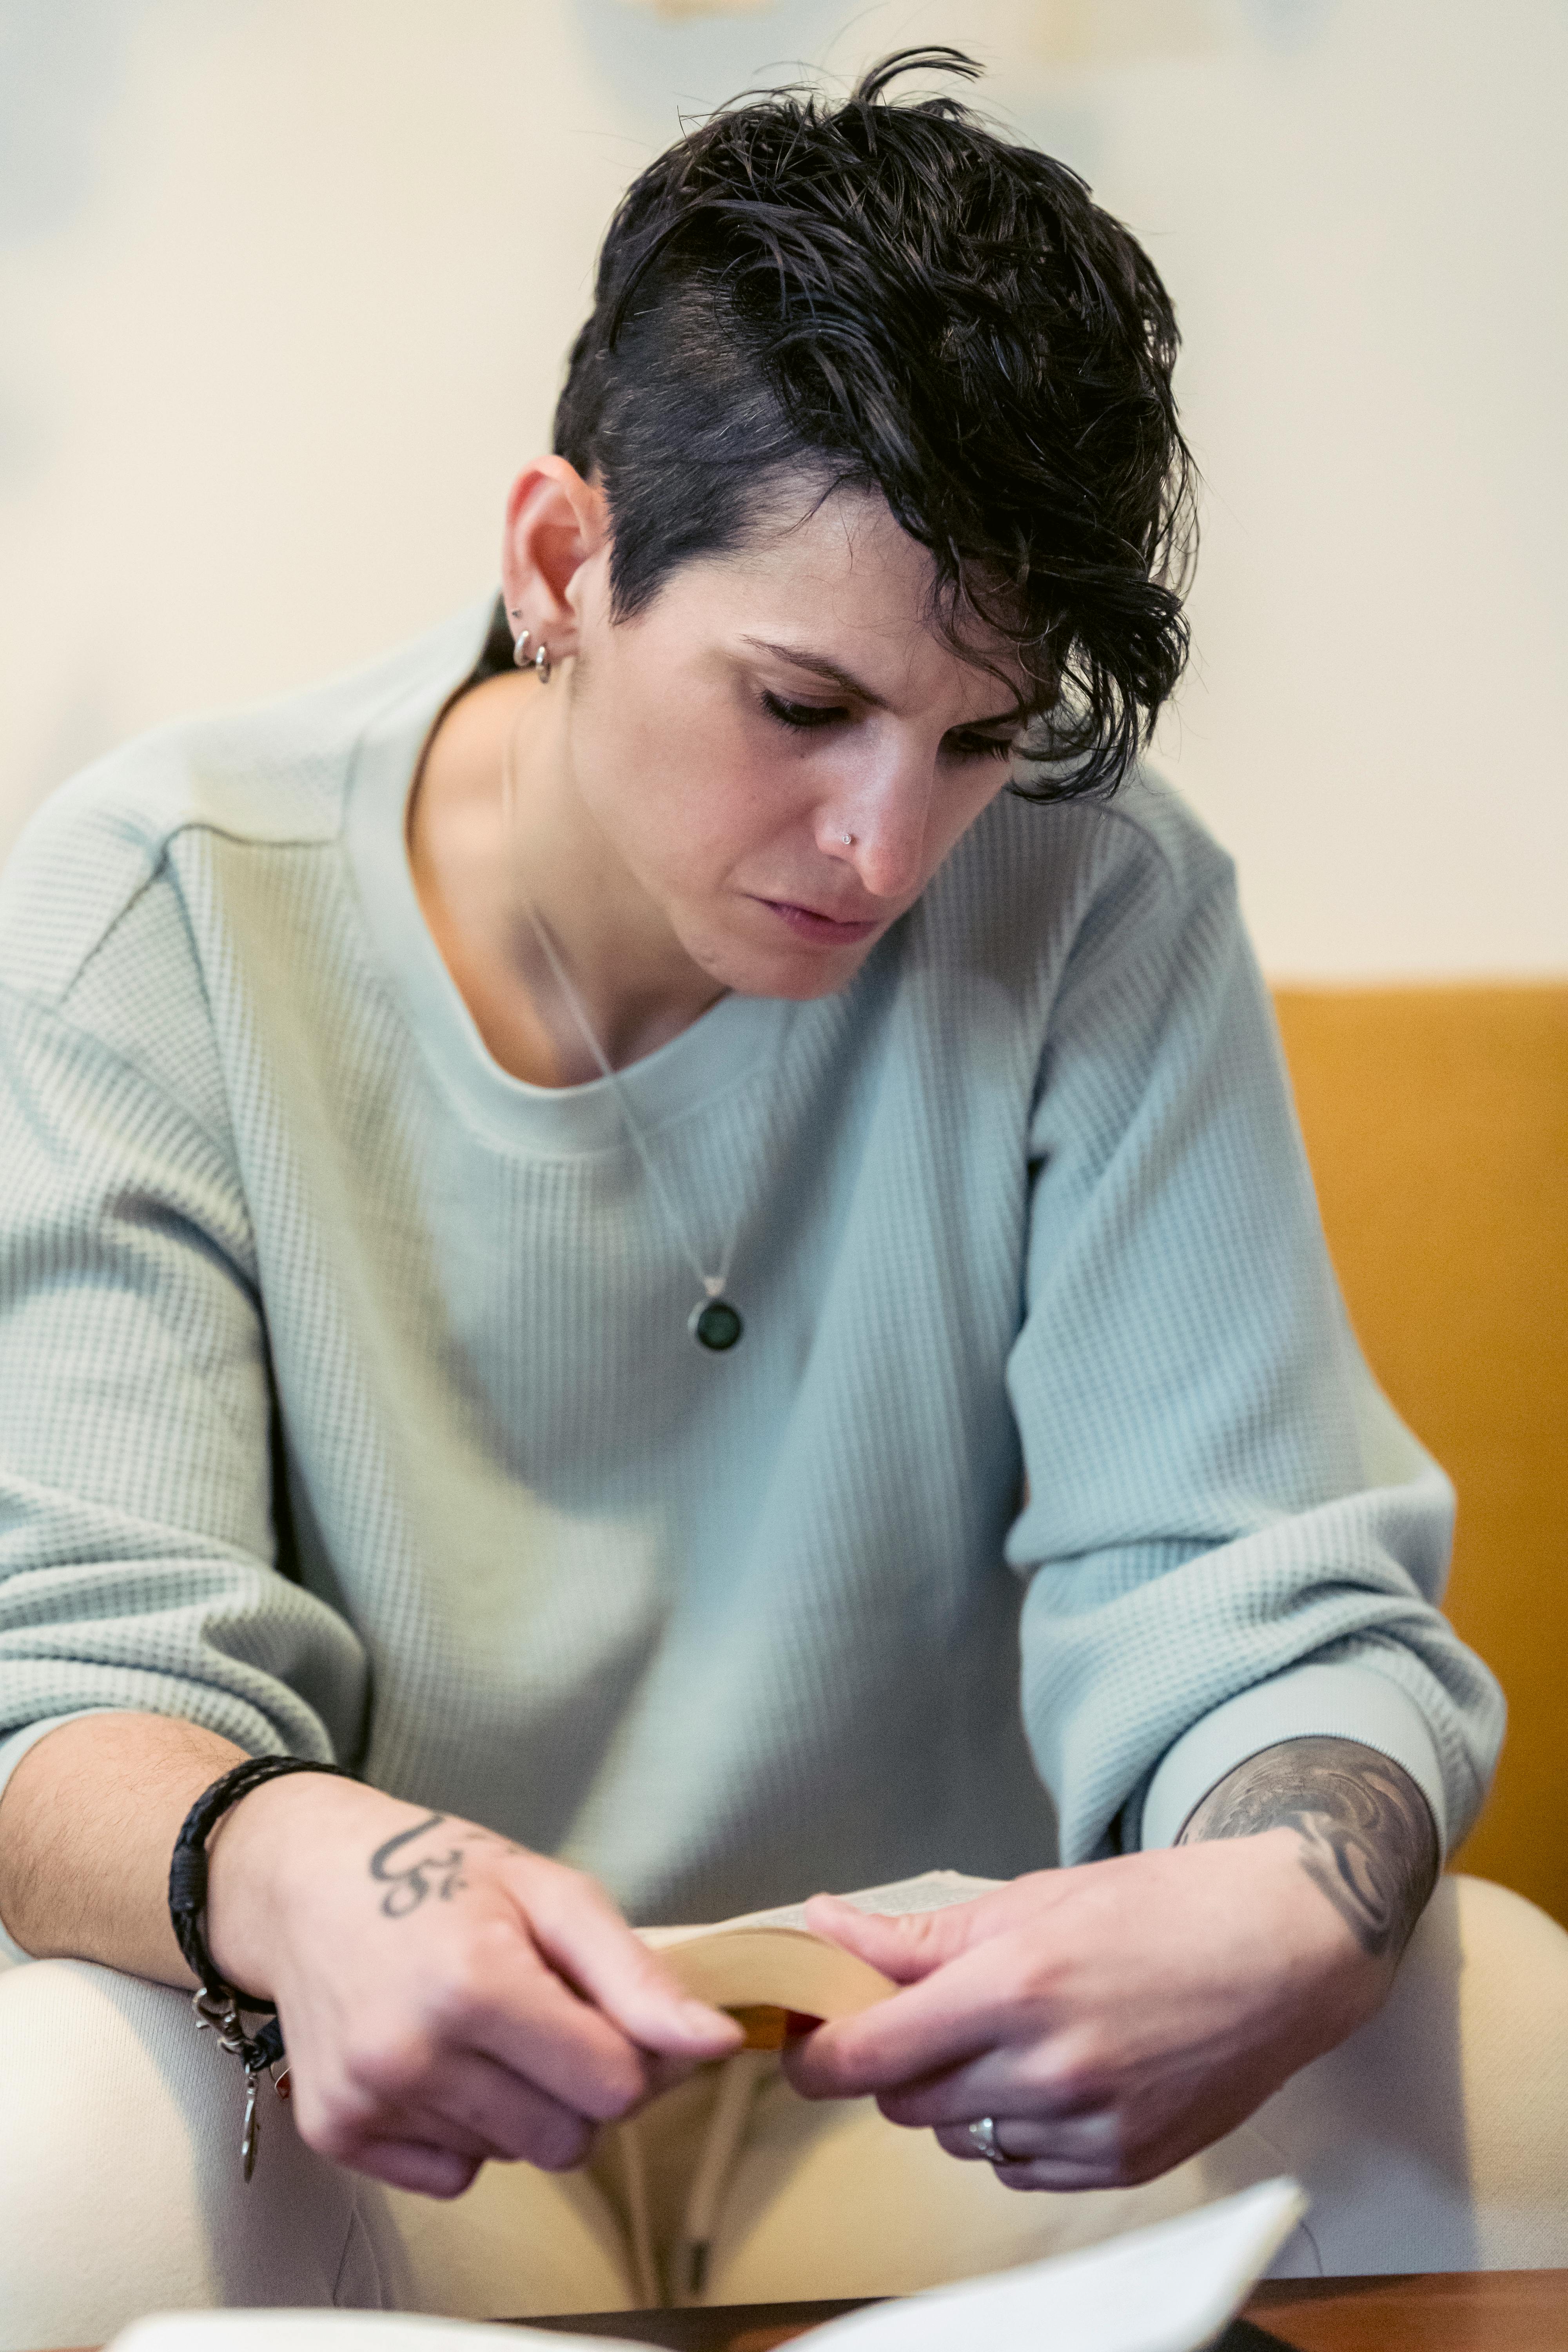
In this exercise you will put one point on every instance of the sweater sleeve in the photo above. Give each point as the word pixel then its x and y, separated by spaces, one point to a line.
pixel 1228 1539
pixel 137 1546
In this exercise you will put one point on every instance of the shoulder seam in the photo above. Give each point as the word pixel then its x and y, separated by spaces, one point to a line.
pixel 1145 833
pixel 95 947
pixel 247 840
pixel 1149 835
pixel 153 850
pixel 41 1007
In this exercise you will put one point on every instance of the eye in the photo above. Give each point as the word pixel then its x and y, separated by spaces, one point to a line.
pixel 983 747
pixel 802 715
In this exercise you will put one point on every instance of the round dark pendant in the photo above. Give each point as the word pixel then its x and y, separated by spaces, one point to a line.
pixel 715 1324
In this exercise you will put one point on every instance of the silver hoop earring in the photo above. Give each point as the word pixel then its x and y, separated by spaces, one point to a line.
pixel 520 650
pixel 542 665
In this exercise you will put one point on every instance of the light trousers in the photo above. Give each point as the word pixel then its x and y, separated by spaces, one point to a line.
pixel 1436 2138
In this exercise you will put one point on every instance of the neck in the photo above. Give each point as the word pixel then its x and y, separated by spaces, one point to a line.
pixel 483 854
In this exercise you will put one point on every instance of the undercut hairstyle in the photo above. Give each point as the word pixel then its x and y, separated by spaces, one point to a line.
pixel 888 296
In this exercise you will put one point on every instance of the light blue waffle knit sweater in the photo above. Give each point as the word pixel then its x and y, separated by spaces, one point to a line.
pixel 347 1405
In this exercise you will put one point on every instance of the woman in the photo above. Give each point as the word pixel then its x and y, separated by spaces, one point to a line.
pixel 604 1221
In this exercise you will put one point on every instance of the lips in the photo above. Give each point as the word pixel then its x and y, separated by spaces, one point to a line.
pixel 823 930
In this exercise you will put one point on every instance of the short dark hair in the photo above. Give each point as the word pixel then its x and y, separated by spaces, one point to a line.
pixel 890 296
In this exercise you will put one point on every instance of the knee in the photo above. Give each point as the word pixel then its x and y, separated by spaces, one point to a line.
pixel 71 2025
pixel 117 2110
pixel 1436 2137
pixel 1487 1974
pixel 1511 1965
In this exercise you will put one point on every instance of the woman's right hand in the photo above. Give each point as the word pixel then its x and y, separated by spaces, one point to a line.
pixel 445 1997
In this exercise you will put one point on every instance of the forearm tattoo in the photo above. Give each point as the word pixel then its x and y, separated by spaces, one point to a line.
pixel 1366 1834
pixel 411 1877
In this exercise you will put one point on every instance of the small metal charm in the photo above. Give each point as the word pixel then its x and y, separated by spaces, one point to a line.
pixel 220 2015
pixel 250 2139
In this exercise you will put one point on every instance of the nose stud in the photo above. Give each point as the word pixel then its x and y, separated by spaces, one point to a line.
pixel 847 839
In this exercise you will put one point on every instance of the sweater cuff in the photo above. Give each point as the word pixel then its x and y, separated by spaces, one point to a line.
pixel 12 1751
pixel 1341 1702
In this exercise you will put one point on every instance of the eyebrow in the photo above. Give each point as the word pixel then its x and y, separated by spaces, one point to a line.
pixel 819 665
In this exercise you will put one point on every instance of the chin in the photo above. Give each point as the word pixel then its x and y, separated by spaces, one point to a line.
pixel 805 988
pixel 799 979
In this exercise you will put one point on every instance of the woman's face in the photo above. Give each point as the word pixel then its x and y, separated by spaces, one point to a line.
pixel 766 705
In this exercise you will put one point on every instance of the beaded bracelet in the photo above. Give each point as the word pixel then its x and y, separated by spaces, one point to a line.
pixel 216 2002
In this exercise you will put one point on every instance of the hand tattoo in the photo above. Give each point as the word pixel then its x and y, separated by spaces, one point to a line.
pixel 1367 1837
pixel 408 1885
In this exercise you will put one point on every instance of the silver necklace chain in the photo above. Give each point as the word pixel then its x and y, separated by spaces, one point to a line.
pixel 715 1322
pixel 713 1284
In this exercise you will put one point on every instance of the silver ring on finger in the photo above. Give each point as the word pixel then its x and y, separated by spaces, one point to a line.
pixel 984 2135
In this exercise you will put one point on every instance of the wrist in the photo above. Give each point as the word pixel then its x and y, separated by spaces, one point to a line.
pixel 258 1855
pixel 1318 1974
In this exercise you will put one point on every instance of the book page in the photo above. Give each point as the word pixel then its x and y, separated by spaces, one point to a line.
pixel 771 1973
pixel 767 1977
pixel 934 1890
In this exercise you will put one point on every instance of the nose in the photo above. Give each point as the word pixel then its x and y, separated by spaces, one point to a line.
pixel 885 808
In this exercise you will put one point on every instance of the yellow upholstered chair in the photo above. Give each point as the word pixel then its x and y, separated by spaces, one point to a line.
pixel 1437 1121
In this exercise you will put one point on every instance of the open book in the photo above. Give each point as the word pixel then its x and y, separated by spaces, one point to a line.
pixel 1171 2288
pixel 771 1972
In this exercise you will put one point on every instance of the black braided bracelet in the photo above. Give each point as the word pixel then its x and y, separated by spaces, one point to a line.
pixel 219 2004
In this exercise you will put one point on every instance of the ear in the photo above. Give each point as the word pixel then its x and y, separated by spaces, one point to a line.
pixel 554 522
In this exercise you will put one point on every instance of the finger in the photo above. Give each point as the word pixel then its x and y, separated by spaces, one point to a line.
pixel 476 2104
pixel 498 1999
pixel 464 2120
pixel 414 2163
pixel 1093 2140
pixel 1047 2078
pixel 952 2016
pixel 583 1934
pixel 534 2026
pixel 665 2071
pixel 1063 2179
pixel 906 1947
pixel 351 2119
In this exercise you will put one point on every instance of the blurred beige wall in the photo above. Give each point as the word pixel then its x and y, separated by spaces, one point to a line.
pixel 285 287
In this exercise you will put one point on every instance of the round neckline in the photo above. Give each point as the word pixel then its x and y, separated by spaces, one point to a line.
pixel 737 1039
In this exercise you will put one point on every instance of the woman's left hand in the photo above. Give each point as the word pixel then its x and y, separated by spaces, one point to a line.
pixel 1111 2020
